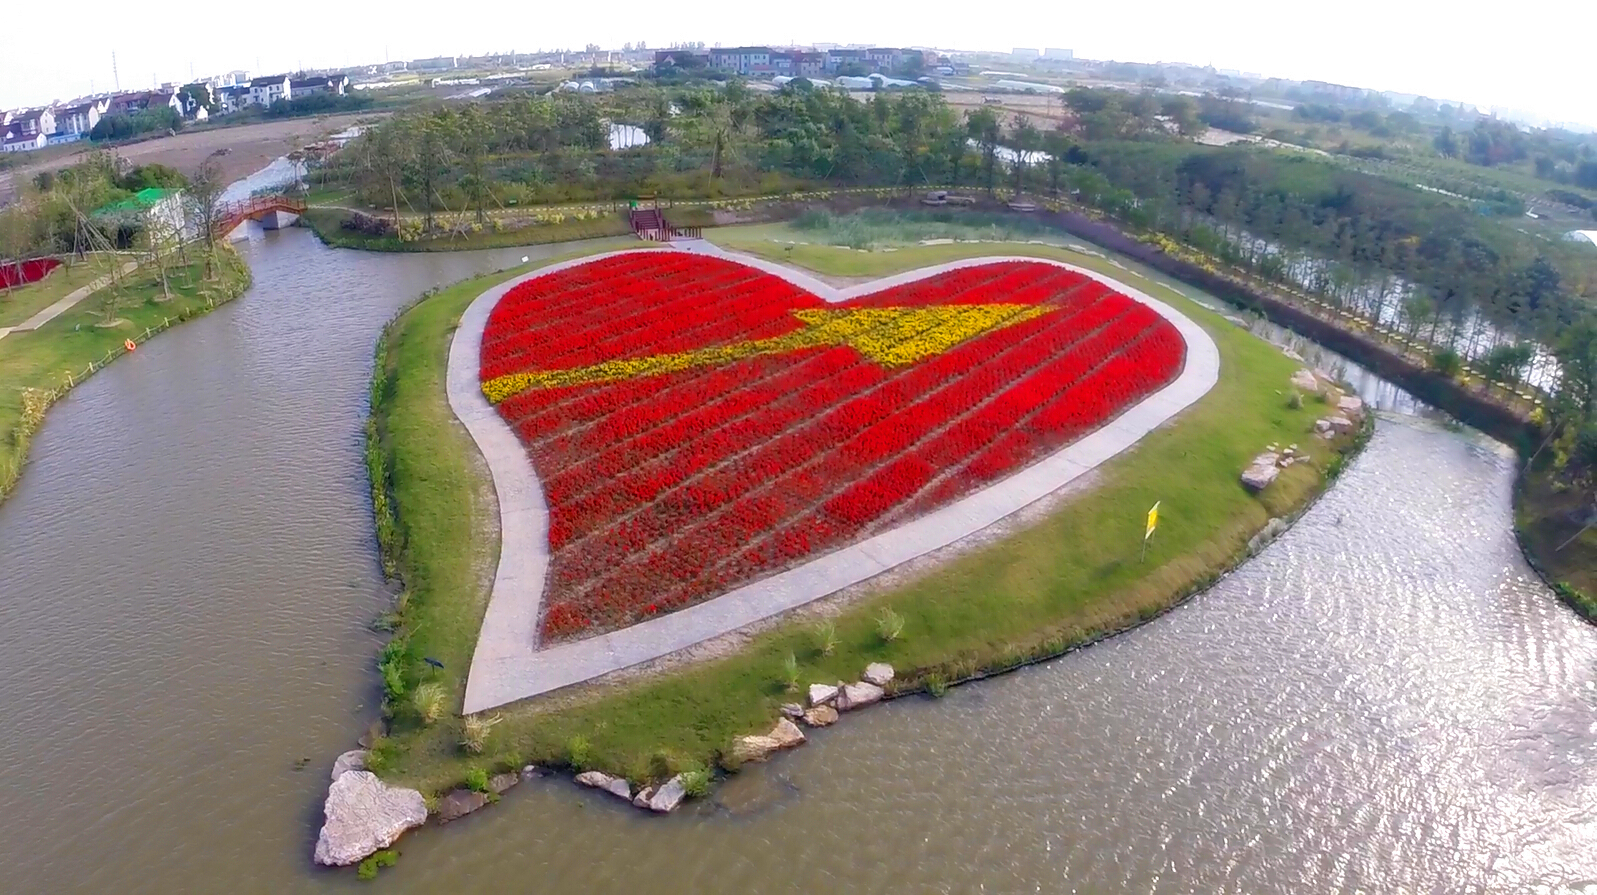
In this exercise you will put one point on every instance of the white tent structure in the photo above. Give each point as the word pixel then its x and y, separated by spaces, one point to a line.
pixel 1582 236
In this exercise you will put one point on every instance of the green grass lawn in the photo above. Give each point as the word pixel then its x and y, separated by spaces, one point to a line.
pixel 17 305
pixel 1062 582
pixel 39 363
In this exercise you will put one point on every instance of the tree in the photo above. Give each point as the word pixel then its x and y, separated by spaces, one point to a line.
pixel 202 202
pixel 1446 143
pixel 1447 362
pixel 1026 140
pixel 434 148
pixel 1183 113
pixel 472 147
pixel 982 126
pixel 1057 144
pixel 1504 364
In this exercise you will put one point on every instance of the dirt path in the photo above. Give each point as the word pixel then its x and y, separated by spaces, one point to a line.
pixel 250 147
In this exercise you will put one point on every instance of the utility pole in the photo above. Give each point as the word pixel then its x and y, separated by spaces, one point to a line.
pixel 114 76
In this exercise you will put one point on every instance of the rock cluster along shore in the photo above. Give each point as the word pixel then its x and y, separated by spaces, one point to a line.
pixel 364 815
pixel 1265 466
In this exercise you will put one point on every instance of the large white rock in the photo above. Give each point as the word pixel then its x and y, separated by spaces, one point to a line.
pixel 1303 380
pixel 858 695
pixel 1341 424
pixel 616 786
pixel 1261 472
pixel 821 716
pixel 669 795
pixel 785 735
pixel 753 748
pixel 641 800
pixel 822 694
pixel 1350 406
pixel 364 815
pixel 353 760
pixel 878 673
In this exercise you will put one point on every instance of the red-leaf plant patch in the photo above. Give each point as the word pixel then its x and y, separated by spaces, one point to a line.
pixel 698 424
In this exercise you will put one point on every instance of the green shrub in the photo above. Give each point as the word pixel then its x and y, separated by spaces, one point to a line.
pixel 936 685
pixel 1294 401
pixel 477 779
pixel 696 783
pixel 393 682
pixel 474 732
pixel 381 755
pixel 578 752
pixel 1447 362
pixel 367 869
pixel 826 637
pixel 889 625
pixel 429 700
pixel 790 673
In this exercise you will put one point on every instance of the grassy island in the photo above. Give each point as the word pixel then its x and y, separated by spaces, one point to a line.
pixel 1062 582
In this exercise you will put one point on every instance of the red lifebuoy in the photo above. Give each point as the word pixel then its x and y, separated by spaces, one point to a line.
pixel 129 344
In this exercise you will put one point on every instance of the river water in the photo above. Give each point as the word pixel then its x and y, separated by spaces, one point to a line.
pixel 1385 700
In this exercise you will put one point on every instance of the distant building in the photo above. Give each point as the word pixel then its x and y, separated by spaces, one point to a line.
pixel 741 60
pixel 1058 55
pixel 841 57
pixel 333 84
pixel 436 63
pixel 268 90
pixel 79 118
pixel 676 58
pixel 1024 54
pixel 231 99
pixel 31 123
pixel 22 142
pixel 134 103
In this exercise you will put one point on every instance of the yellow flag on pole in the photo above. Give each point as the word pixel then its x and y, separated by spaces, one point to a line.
pixel 1153 520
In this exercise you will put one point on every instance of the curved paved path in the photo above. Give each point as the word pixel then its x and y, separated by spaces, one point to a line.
pixel 65 304
pixel 508 665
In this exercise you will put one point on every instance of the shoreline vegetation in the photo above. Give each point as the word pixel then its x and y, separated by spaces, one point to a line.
pixel 39 367
pixel 1066 580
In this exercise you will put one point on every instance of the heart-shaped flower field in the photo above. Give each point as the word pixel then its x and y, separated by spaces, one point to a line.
pixel 697 424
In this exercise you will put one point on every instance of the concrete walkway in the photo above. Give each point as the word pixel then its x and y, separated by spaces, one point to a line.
pixel 66 303
pixel 508 665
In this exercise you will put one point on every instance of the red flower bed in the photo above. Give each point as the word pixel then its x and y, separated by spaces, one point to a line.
pixel 672 483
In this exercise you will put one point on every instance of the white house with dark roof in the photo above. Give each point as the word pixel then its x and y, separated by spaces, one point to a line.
pixel 265 91
pixel 78 118
pixel 310 86
pixel 14 142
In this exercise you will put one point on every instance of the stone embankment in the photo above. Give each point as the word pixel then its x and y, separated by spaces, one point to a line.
pixel 365 815
pixel 1348 414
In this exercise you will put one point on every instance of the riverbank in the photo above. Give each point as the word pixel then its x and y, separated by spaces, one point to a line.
pixel 327 224
pixel 1552 523
pixel 1063 580
pixel 39 367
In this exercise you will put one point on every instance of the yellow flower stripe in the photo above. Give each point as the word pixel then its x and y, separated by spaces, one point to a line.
pixel 891 337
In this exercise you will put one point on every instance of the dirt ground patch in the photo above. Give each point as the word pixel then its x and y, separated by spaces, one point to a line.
pixel 251 147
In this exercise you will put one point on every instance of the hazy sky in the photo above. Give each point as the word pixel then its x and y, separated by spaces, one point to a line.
pixel 1529 57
